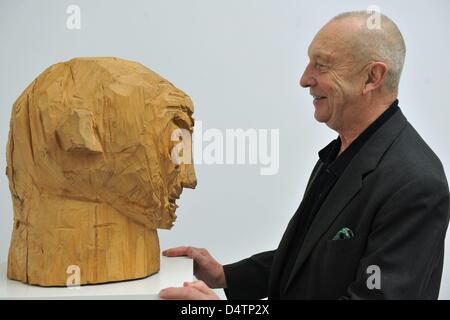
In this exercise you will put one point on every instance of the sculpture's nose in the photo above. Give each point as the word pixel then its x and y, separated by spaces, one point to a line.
pixel 191 180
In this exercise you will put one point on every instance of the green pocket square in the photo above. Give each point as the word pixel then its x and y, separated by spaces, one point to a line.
pixel 344 234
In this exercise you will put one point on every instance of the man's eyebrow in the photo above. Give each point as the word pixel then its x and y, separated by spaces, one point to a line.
pixel 319 54
pixel 323 55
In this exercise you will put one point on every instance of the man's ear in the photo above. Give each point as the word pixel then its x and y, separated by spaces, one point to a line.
pixel 76 133
pixel 376 75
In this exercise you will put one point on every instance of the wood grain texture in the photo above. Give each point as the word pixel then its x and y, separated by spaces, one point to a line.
pixel 91 172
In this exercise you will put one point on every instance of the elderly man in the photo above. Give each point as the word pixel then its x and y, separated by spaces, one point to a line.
pixel 373 219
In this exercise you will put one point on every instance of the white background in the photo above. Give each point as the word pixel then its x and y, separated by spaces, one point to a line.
pixel 240 61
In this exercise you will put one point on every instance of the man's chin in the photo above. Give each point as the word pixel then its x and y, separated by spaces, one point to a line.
pixel 320 117
pixel 321 112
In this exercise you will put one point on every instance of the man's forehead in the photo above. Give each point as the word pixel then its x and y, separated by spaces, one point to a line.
pixel 320 52
pixel 327 43
pixel 324 50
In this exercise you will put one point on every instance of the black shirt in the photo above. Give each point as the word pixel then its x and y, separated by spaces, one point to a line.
pixel 330 171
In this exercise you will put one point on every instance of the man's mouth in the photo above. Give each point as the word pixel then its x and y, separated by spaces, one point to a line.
pixel 317 98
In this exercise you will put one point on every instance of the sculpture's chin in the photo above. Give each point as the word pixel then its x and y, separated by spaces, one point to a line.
pixel 168 215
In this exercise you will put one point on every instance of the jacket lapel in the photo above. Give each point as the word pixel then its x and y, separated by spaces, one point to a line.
pixel 348 186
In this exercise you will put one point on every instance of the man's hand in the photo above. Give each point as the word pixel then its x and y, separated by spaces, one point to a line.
pixel 206 268
pixel 197 290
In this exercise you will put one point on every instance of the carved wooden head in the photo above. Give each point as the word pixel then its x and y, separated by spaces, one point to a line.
pixel 101 130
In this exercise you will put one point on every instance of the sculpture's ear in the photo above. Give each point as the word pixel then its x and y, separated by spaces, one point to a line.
pixel 77 133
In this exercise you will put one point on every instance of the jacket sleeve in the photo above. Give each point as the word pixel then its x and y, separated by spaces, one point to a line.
pixel 249 278
pixel 406 244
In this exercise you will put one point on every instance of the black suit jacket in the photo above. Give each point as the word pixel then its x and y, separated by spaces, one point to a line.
pixel 394 196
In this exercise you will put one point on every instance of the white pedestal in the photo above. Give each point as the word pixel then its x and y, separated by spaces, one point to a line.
pixel 173 272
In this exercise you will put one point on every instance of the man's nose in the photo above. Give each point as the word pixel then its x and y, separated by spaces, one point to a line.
pixel 307 80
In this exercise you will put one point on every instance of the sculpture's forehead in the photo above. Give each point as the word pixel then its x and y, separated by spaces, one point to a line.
pixel 92 79
pixel 132 75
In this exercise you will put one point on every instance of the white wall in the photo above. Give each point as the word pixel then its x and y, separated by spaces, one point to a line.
pixel 240 62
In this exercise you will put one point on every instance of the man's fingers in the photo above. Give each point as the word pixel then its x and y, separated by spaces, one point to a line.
pixel 184 293
pixel 200 285
pixel 175 293
pixel 198 255
pixel 176 252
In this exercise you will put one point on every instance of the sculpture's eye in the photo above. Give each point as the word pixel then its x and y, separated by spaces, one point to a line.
pixel 182 122
pixel 180 144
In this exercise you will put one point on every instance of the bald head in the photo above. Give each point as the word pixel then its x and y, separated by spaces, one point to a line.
pixel 385 44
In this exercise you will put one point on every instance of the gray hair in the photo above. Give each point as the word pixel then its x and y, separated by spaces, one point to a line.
pixel 384 44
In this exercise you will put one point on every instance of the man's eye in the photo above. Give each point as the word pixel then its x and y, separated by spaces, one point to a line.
pixel 320 66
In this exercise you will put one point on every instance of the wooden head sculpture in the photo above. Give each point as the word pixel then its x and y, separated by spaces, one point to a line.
pixel 91 172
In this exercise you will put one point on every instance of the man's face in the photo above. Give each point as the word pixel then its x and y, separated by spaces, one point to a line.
pixel 334 78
